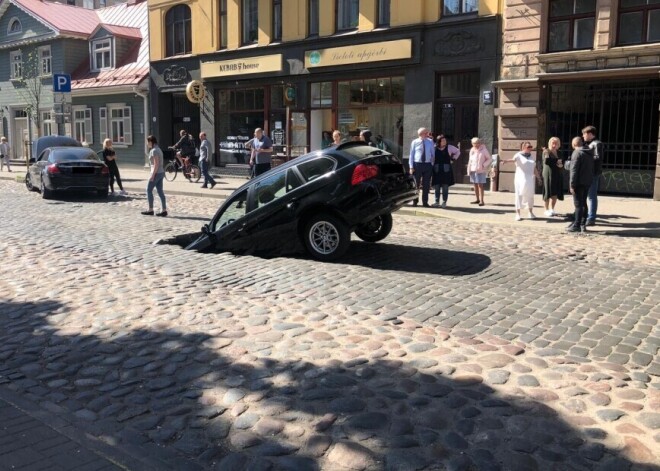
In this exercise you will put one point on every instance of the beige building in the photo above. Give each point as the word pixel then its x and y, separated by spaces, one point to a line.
pixel 571 63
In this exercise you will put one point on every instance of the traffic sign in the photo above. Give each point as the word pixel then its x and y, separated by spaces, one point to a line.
pixel 62 83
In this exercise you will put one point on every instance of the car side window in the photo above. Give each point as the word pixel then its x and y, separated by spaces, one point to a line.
pixel 317 167
pixel 292 180
pixel 270 189
pixel 236 209
pixel 44 156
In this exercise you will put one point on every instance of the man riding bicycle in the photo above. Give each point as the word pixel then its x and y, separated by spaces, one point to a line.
pixel 185 147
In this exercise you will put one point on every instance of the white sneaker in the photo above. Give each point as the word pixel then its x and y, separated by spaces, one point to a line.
pixel 518 218
pixel 549 213
pixel 531 216
pixel 123 193
pixel 553 212
pixel 112 193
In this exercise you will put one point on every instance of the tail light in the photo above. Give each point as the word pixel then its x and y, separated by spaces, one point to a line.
pixel 105 170
pixel 52 168
pixel 363 172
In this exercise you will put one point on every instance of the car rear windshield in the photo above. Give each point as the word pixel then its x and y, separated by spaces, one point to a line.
pixel 63 155
pixel 363 152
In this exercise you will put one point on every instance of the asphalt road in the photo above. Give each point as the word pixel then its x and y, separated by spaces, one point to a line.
pixel 451 345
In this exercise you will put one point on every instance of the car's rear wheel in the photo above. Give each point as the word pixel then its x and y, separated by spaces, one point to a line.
pixel 45 192
pixel 326 237
pixel 376 229
pixel 28 182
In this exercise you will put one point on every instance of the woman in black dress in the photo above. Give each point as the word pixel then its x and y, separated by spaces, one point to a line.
pixel 443 174
pixel 553 179
pixel 109 158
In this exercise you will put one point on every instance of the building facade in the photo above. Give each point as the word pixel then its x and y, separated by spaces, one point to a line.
pixel 301 68
pixel 571 63
pixel 105 54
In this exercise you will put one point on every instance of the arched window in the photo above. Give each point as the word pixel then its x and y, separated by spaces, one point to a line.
pixel 15 26
pixel 178 31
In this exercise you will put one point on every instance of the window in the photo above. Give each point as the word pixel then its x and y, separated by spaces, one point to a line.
pixel 16 64
pixel 103 3
pixel 82 124
pixel 178 31
pixel 250 21
pixel 15 26
pixel 347 14
pixel 71 2
pixel 571 24
pixel 223 24
pixel 48 127
pixel 116 122
pixel 315 168
pixel 639 21
pixel 270 189
pixel 234 210
pixel 277 20
pixel 102 54
pixel 45 63
pixel 89 4
pixel 458 7
pixel 321 95
pixel 384 12
pixel 313 18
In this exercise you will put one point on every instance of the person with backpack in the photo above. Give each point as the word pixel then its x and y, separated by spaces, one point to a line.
pixel 186 146
pixel 591 141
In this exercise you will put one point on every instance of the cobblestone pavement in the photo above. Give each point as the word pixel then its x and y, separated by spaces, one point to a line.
pixel 450 345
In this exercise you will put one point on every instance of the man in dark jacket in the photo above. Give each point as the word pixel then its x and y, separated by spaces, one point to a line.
pixel 186 145
pixel 582 175
pixel 597 148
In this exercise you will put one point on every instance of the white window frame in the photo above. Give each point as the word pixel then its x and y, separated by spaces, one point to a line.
pixel 82 127
pixel 119 128
pixel 45 61
pixel 109 48
pixel 48 124
pixel 11 23
pixel 16 64
pixel 89 4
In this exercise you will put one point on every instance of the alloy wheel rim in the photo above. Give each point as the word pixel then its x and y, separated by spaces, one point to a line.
pixel 324 237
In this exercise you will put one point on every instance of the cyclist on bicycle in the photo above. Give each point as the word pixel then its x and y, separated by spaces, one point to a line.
pixel 185 147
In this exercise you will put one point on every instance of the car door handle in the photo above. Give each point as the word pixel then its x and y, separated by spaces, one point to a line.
pixel 292 204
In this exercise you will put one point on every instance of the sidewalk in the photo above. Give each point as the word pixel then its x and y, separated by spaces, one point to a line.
pixel 623 216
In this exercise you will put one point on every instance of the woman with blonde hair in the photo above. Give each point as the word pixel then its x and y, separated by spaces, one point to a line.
pixel 110 159
pixel 553 185
pixel 478 167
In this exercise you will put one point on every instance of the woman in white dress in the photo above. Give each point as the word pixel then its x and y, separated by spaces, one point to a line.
pixel 524 180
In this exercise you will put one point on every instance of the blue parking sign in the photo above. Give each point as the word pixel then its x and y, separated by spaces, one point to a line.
pixel 61 83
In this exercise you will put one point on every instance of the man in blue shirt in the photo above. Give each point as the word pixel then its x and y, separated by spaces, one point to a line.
pixel 262 148
pixel 422 157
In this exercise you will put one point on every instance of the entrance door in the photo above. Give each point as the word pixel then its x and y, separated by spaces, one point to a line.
pixel 19 136
pixel 185 115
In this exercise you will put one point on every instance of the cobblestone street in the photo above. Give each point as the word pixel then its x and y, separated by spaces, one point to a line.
pixel 450 345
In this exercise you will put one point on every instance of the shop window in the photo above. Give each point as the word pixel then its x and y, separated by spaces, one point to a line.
pixel 277 20
pixel 571 24
pixel 398 87
pixel 223 24
pixel 464 84
pixel 313 19
pixel 639 21
pixel 250 16
pixel 178 31
pixel 348 12
pixel 321 94
pixel 384 12
pixel 458 7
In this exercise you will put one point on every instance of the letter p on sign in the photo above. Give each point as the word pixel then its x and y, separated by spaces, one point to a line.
pixel 61 83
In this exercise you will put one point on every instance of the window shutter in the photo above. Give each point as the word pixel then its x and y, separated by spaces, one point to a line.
pixel 103 124
pixel 89 135
pixel 128 126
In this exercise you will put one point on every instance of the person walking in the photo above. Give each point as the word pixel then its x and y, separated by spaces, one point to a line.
pixel 443 174
pixel 262 148
pixel 553 178
pixel 582 176
pixel 204 160
pixel 590 140
pixel 478 166
pixel 523 181
pixel 4 153
pixel 421 158
pixel 110 159
pixel 156 178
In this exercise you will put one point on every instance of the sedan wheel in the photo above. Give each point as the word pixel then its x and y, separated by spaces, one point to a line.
pixel 28 183
pixel 376 229
pixel 326 237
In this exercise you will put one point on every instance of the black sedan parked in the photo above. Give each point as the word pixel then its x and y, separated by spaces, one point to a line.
pixel 315 201
pixel 70 168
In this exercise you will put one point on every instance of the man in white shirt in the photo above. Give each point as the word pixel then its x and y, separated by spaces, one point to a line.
pixel 422 157
pixel 4 153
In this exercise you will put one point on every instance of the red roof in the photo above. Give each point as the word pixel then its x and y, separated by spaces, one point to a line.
pixel 61 17
pixel 120 31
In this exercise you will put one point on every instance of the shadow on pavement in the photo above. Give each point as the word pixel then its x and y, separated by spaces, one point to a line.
pixel 174 398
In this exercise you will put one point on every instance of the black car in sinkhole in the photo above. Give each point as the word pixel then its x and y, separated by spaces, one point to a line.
pixel 313 202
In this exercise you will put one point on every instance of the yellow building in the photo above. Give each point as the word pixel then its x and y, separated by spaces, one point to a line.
pixel 301 68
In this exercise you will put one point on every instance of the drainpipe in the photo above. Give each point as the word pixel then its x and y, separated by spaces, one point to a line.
pixel 144 97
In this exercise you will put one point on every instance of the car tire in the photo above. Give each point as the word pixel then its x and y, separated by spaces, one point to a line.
pixel 45 192
pixel 376 229
pixel 326 237
pixel 28 182
pixel 102 193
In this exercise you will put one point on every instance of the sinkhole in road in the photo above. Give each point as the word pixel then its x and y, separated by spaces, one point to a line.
pixel 182 240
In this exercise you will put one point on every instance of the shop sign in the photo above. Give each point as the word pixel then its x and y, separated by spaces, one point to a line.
pixel 249 65
pixel 359 54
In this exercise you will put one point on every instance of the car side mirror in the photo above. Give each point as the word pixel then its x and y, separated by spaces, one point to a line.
pixel 205 229
pixel 32 160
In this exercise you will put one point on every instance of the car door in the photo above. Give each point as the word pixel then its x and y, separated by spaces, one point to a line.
pixel 227 227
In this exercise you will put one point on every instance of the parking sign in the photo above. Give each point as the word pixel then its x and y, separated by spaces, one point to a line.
pixel 61 83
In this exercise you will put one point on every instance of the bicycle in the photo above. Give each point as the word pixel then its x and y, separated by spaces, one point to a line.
pixel 182 164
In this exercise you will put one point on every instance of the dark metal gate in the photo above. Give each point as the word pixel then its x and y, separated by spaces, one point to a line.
pixel 626 116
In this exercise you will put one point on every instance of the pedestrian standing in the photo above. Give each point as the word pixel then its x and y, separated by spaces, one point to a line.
pixel 110 159
pixel 553 177
pixel 597 148
pixel 422 156
pixel 4 153
pixel 443 174
pixel 478 167
pixel 204 160
pixel 524 179
pixel 155 178
pixel 582 176
pixel 262 148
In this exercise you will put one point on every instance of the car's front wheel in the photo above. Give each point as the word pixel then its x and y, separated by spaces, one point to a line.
pixel 45 192
pixel 326 237
pixel 376 229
